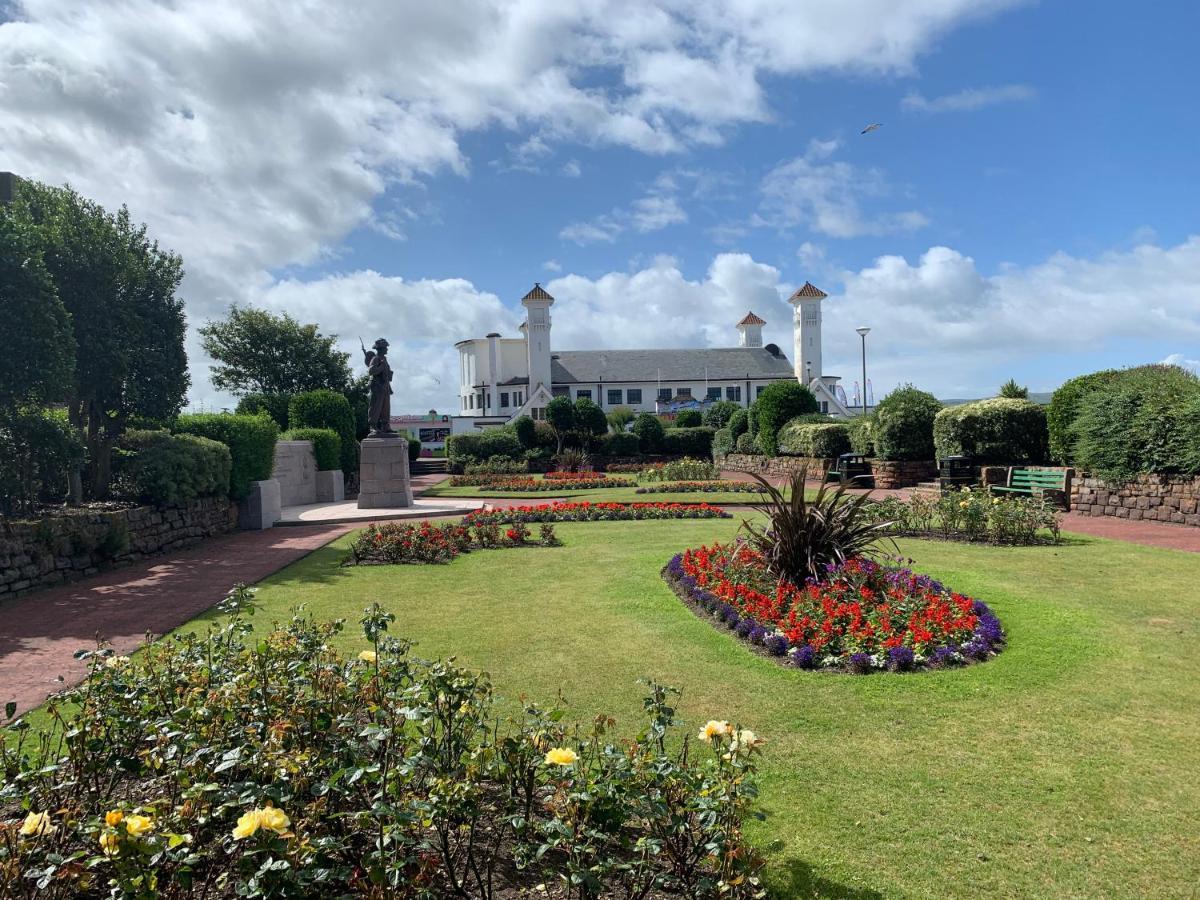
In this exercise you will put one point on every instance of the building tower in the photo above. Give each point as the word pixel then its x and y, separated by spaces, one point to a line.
pixel 806 331
pixel 537 305
pixel 750 331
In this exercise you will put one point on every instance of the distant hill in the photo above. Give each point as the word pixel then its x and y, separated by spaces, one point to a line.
pixel 1042 398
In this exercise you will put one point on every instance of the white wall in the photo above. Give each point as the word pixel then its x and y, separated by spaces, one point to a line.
pixel 650 391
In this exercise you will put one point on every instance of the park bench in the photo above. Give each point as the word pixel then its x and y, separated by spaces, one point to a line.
pixel 852 470
pixel 1054 484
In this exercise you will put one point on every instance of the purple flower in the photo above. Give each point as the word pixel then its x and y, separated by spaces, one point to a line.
pixel 776 644
pixel 758 635
pixel 975 649
pixel 859 663
pixel 900 659
pixel 745 626
pixel 943 656
pixel 804 657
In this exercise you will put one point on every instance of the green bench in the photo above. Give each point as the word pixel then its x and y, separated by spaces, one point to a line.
pixel 1054 484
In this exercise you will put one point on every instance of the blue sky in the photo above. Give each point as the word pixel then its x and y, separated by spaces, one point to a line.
pixel 1027 209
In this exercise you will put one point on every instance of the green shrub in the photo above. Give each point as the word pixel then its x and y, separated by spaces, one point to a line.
pixel 328 409
pixel 723 443
pixel 590 421
pixel 172 469
pixel 686 469
pixel 327 446
pixel 903 424
pixel 497 465
pixel 777 405
pixel 526 431
pixel 1064 407
pixel 720 412
pixel 823 441
pixel 696 441
pixel 38 450
pixel 689 418
pixel 250 439
pixel 619 417
pixel 861 431
pixel 649 429
pixel 739 423
pixel 464 448
pixel 621 443
pixel 1001 430
pixel 746 444
pixel 414 449
pixel 1140 421
pixel 273 405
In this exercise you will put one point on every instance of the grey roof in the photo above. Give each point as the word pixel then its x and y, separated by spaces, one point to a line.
pixel 723 364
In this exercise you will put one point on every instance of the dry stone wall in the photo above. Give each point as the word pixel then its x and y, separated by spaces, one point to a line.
pixel 1155 498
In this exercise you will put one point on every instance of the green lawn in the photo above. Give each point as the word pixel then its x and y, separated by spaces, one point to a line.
pixel 1066 767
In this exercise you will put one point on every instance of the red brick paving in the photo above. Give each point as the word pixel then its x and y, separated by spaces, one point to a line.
pixel 1151 534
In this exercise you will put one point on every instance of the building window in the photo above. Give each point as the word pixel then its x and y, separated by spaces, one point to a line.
pixel 487 403
pixel 734 393
pixel 684 392
pixel 825 406
pixel 633 396
pixel 518 398
pixel 758 389
pixel 504 399
pixel 714 393
pixel 614 396
pixel 560 392
pixel 537 413
pixel 471 402
pixel 583 392
pixel 664 395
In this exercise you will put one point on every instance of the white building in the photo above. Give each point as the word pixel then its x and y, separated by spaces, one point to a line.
pixel 501 378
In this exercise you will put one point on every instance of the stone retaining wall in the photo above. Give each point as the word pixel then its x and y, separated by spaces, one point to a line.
pixel 37 554
pixel 1155 498
pixel 888 474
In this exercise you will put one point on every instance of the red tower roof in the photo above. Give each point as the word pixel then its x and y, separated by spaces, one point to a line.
pixel 752 319
pixel 538 293
pixel 809 290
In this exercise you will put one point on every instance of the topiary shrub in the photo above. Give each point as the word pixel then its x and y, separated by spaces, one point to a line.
pixel 649 429
pixel 745 444
pixel 689 418
pixel 526 431
pixel 172 469
pixel 1139 421
pixel 1001 430
pixel 820 441
pixel 327 409
pixel 1064 407
pixel 414 449
pixel 250 439
pixel 696 441
pixel 777 405
pixel 723 443
pixel 861 431
pixel 620 444
pixel 327 446
pixel 273 405
pixel 903 424
pixel 739 423
pixel 463 449
pixel 720 412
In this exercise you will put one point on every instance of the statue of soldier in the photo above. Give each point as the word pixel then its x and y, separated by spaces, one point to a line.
pixel 379 416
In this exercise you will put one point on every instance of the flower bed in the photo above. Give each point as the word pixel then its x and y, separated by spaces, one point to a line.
pixel 575 476
pixel 398 543
pixel 971 515
pixel 860 617
pixel 561 483
pixel 701 487
pixel 595 512
pixel 267 764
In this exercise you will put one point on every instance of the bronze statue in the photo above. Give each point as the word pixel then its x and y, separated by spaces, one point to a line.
pixel 379 416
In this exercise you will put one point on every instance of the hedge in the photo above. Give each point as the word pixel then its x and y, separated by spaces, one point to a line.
pixel 861 431
pixel 745 444
pixel 327 446
pixel 1138 421
pixel 739 424
pixel 777 405
pixel 718 415
pixel 172 469
pixel 621 443
pixel 649 429
pixel 1064 407
pixel 689 418
pixel 414 449
pixel 1001 430
pixel 820 441
pixel 273 405
pixel 903 424
pixel 526 431
pixel 38 450
pixel 250 439
pixel 464 448
pixel 696 442
pixel 723 443
pixel 328 409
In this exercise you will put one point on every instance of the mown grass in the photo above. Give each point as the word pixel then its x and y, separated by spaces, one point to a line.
pixel 596 495
pixel 1064 767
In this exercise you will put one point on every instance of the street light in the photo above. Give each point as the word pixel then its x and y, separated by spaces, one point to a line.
pixel 862 333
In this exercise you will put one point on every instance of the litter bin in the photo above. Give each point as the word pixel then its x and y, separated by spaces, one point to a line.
pixel 956 472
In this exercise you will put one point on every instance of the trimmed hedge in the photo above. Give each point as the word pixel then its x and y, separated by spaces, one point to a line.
pixel 1064 408
pixel 38 450
pixel 1001 430
pixel 739 423
pixel 777 405
pixel 689 418
pixel 273 405
pixel 621 443
pixel 903 424
pixel 414 449
pixel 465 448
pixel 649 429
pixel 746 444
pixel 250 439
pixel 723 443
pixel 696 442
pixel 820 441
pixel 327 446
pixel 718 415
pixel 328 409
pixel 526 431
pixel 1141 420
pixel 861 431
pixel 172 469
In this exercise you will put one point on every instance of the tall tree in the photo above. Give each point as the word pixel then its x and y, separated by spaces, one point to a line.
pixel 1014 391
pixel 257 351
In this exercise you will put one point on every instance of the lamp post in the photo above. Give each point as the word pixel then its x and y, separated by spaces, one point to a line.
pixel 862 333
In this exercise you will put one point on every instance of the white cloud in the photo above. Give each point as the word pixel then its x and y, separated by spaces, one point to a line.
pixel 826 196
pixel 968 99
pixel 572 169
pixel 552 265
pixel 1178 359
pixel 656 213
pixel 603 229
pixel 656 210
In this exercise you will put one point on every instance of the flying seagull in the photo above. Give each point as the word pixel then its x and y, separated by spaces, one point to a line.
pixel 871 127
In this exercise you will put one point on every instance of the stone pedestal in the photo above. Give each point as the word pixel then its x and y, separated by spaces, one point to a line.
pixel 331 486
pixel 383 474
pixel 261 508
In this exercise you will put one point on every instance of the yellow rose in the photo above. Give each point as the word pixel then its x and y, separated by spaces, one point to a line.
pixel 713 729
pixel 109 843
pixel 268 818
pixel 367 656
pixel 113 817
pixel 964 504
pixel 37 824
pixel 115 662
pixel 139 825
pixel 746 738
pixel 996 502
pixel 275 819
pixel 561 756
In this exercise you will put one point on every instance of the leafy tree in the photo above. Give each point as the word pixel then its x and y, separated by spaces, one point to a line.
pixel 119 289
pixel 560 413
pixel 590 421
pixel 777 405
pixel 257 351
pixel 619 417
pixel 1014 391
pixel 719 414
pixel 526 431
pixel 649 429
